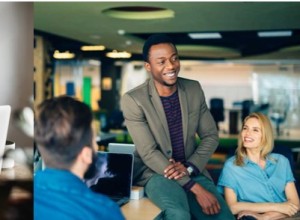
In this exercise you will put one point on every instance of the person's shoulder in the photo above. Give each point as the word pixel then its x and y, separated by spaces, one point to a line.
pixel 186 81
pixel 93 204
pixel 276 157
pixel 189 84
pixel 230 159
pixel 107 205
pixel 99 197
pixel 230 162
pixel 139 89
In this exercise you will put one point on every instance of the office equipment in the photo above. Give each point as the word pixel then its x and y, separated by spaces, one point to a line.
pixel 8 160
pixel 247 106
pixel 217 110
pixel 4 122
pixel 121 148
pixel 137 192
pixel 114 176
pixel 233 121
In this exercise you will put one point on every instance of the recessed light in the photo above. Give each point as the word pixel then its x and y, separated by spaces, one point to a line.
pixel 63 55
pixel 116 54
pixel 205 35
pixel 139 12
pixel 274 33
pixel 95 37
pixel 93 48
pixel 94 62
pixel 121 32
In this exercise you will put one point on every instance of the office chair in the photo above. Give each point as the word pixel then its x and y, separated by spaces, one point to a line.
pixel 288 153
pixel 115 120
pixel 217 110
pixel 246 108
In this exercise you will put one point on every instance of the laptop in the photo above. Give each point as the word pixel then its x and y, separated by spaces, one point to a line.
pixel 114 176
pixel 121 148
pixel 4 122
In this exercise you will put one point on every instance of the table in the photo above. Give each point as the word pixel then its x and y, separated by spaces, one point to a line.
pixel 16 192
pixel 18 172
pixel 140 209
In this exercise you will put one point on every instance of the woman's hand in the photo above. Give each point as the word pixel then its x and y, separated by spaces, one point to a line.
pixel 257 216
pixel 287 208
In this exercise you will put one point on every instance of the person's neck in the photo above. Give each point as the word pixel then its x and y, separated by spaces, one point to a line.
pixel 166 91
pixel 255 156
pixel 77 171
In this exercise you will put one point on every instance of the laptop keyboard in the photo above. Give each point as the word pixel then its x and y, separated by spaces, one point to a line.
pixel 120 201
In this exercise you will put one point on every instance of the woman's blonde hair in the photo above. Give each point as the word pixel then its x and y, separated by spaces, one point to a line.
pixel 267 140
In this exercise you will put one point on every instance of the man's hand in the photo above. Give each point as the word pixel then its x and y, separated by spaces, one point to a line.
pixel 255 215
pixel 206 200
pixel 175 170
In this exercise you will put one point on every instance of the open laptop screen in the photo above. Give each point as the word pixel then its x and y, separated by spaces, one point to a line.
pixel 114 176
pixel 4 122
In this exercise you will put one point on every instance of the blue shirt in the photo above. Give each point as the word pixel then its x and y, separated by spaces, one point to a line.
pixel 59 194
pixel 251 183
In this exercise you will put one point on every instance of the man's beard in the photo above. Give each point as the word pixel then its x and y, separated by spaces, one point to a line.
pixel 92 169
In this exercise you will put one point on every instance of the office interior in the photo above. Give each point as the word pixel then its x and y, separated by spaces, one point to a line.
pixel 246 56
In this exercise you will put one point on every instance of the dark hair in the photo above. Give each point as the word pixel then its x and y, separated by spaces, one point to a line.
pixel 153 40
pixel 62 129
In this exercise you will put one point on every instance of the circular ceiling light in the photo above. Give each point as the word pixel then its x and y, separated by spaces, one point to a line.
pixel 207 51
pixel 139 12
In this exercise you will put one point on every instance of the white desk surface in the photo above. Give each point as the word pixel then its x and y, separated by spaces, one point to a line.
pixel 16 177
pixel 18 172
pixel 140 209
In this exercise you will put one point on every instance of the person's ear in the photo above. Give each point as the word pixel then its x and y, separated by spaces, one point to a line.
pixel 147 66
pixel 86 155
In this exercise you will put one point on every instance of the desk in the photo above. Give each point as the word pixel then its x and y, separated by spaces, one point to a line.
pixel 140 209
pixel 16 192
pixel 18 172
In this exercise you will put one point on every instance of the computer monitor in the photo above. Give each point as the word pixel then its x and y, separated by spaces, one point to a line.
pixel 121 148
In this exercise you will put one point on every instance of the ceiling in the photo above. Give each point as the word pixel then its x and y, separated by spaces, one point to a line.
pixel 237 22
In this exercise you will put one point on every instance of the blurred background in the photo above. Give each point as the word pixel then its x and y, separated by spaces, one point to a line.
pixel 16 61
pixel 246 55
pixel 240 52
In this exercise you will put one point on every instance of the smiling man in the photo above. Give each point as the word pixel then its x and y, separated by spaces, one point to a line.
pixel 163 117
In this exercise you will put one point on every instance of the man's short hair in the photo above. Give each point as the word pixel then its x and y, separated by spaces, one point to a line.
pixel 62 129
pixel 153 40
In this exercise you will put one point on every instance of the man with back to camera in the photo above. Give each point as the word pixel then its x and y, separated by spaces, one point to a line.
pixel 163 115
pixel 64 136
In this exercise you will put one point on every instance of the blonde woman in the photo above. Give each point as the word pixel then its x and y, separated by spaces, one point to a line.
pixel 256 183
